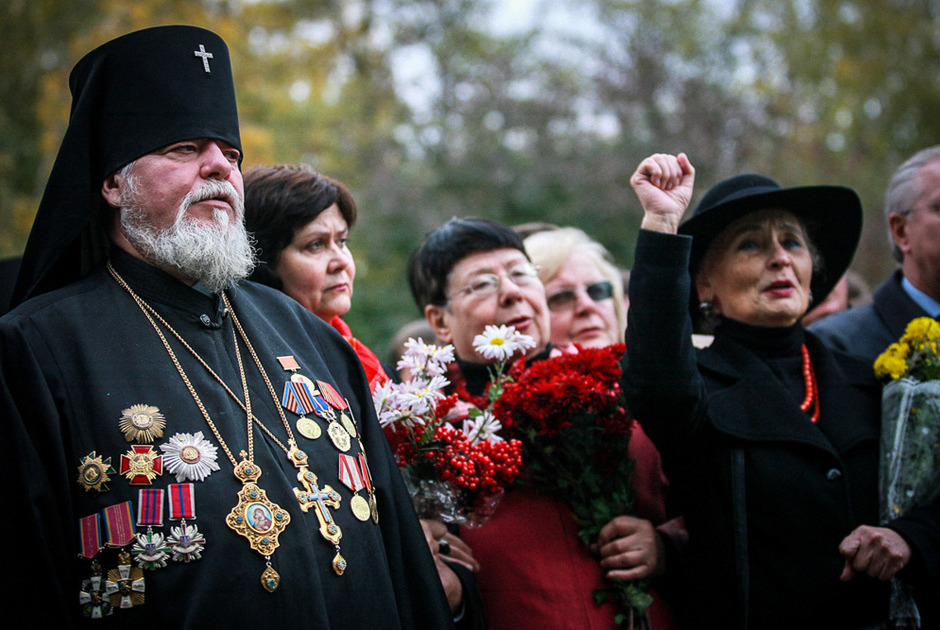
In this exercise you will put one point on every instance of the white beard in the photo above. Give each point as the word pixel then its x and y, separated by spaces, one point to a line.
pixel 218 254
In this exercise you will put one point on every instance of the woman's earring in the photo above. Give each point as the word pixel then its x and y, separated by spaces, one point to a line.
pixel 706 308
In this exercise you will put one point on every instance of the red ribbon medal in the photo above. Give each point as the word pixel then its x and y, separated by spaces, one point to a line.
pixel 332 396
pixel 182 501
pixel 150 507
pixel 186 542
pixel 118 524
pixel 349 473
pixel 90 528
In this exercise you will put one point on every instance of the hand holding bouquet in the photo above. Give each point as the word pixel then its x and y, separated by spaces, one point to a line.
pixel 909 474
pixel 454 461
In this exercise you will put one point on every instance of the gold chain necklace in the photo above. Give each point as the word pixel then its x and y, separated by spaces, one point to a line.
pixel 255 517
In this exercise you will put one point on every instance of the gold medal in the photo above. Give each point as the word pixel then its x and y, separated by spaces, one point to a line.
pixel 346 418
pixel 375 507
pixel 141 465
pixel 360 508
pixel 339 436
pixel 300 378
pixel 308 428
pixel 142 423
pixel 93 471
pixel 125 584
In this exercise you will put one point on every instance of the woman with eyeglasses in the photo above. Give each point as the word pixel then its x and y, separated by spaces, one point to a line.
pixel 583 287
pixel 585 296
pixel 534 572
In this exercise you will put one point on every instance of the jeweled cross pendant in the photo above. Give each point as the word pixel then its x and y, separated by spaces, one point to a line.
pixel 319 500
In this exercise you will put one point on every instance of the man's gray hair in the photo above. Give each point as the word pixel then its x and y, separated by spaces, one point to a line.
pixel 905 188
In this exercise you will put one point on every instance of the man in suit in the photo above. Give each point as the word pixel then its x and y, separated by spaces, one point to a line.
pixel 912 211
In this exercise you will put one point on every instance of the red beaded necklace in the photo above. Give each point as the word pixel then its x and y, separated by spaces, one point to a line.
pixel 809 382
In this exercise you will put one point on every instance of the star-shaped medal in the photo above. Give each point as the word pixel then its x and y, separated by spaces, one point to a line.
pixel 150 551
pixel 125 584
pixel 142 423
pixel 190 456
pixel 186 542
pixel 93 471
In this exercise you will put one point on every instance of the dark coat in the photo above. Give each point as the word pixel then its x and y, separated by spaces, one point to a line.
pixel 868 330
pixel 767 495
pixel 74 358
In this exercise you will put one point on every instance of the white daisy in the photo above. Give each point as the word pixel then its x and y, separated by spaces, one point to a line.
pixel 482 427
pixel 189 456
pixel 421 395
pixel 423 359
pixel 500 343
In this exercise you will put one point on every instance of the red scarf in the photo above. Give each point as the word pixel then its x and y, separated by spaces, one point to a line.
pixel 373 367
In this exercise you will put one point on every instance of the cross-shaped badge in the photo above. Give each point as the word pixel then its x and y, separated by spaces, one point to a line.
pixel 206 56
pixel 319 500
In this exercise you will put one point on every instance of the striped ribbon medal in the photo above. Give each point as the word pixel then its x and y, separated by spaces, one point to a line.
pixel 185 540
pixel 150 550
pixel 351 475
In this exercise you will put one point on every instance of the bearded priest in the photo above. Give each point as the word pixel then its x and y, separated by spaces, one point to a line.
pixel 181 448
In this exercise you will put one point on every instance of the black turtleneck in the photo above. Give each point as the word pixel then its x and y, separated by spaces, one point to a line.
pixel 778 347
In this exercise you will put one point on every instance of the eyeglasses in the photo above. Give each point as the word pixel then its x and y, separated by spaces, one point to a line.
pixel 567 298
pixel 487 284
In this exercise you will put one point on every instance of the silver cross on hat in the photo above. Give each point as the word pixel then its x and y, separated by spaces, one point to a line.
pixel 206 56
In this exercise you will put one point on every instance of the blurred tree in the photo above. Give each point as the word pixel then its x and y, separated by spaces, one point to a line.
pixel 428 109
pixel 36 54
pixel 849 90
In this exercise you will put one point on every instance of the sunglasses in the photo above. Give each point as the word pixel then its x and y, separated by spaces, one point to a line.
pixel 566 299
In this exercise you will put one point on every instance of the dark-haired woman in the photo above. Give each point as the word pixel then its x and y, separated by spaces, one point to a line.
pixel 769 439
pixel 300 220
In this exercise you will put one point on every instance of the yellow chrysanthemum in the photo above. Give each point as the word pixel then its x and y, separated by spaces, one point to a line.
pixel 922 328
pixel 893 361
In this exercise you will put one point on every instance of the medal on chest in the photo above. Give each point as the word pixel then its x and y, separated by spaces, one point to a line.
pixel 93 473
pixel 185 540
pixel 141 465
pixel 125 585
pixel 93 599
pixel 298 392
pixel 190 456
pixel 150 550
pixel 142 423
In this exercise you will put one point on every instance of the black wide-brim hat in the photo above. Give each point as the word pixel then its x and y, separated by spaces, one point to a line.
pixel 832 216
pixel 130 96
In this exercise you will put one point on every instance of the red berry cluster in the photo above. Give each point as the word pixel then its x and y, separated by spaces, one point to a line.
pixel 476 470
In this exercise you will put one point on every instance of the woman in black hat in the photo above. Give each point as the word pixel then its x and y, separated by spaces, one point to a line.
pixel 769 439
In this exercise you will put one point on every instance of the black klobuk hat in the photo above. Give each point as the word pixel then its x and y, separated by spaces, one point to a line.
pixel 130 96
pixel 832 216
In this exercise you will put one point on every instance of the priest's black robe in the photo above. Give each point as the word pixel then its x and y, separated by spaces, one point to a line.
pixel 75 358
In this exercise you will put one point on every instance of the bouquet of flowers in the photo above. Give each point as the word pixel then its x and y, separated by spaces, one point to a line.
pixel 569 413
pixel 910 437
pixel 453 460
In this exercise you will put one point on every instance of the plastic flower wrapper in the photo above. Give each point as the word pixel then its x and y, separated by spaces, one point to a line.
pixel 453 461
pixel 910 438
pixel 568 411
